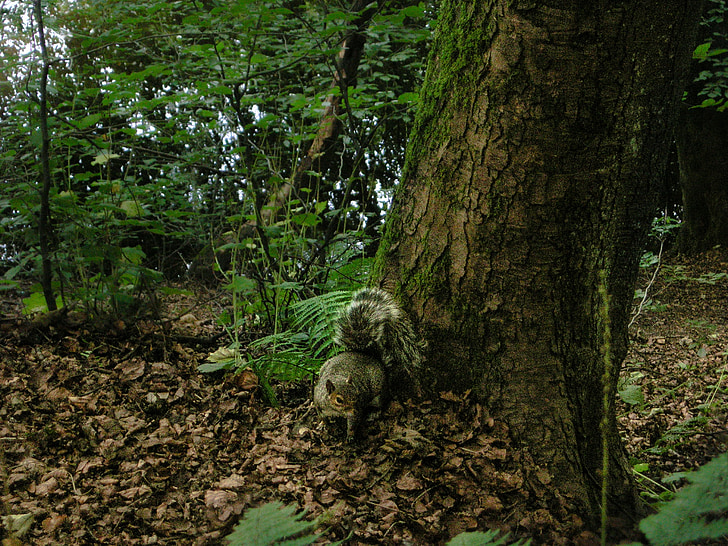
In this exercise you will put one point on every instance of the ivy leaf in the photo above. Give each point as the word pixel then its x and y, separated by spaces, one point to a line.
pixel 132 209
pixel 103 157
pixel 406 98
pixel 701 52
pixel 632 395
pixel 309 219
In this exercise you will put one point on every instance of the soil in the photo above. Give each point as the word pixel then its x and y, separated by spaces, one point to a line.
pixel 110 435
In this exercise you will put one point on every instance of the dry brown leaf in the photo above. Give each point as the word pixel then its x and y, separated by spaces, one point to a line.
pixel 130 370
pixel 218 498
pixel 233 481
pixel 409 483
pixel 46 487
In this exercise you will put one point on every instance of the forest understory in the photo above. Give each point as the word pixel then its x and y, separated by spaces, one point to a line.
pixel 110 435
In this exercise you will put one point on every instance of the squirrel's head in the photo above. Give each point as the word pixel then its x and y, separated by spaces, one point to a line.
pixel 338 399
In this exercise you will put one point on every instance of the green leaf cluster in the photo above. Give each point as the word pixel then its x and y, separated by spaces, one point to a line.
pixel 699 511
pixel 172 124
pixel 274 524
pixel 487 538
pixel 712 54
pixel 294 353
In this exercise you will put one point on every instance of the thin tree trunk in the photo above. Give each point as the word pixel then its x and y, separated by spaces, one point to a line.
pixel 44 224
pixel 322 152
pixel 319 156
pixel 542 134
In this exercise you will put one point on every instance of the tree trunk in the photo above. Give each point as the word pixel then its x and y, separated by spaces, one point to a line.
pixel 44 218
pixel 542 134
pixel 322 151
pixel 701 137
pixel 702 140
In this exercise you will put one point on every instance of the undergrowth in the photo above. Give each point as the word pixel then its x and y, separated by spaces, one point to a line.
pixel 292 354
pixel 698 511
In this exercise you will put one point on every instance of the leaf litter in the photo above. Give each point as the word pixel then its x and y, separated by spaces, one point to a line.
pixel 116 438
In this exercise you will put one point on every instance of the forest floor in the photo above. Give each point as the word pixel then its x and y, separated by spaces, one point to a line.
pixel 110 435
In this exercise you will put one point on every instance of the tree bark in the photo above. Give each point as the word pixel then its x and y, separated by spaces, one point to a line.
pixel 701 137
pixel 44 222
pixel 702 141
pixel 543 132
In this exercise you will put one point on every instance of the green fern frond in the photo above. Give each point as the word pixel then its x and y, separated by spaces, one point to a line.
pixel 487 538
pixel 317 315
pixel 312 330
pixel 269 525
pixel 698 511
pixel 296 353
pixel 274 524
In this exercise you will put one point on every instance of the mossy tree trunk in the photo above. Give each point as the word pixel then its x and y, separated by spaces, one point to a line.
pixel 543 131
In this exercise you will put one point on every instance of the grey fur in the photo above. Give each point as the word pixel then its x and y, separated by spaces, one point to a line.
pixel 382 355
pixel 348 384
pixel 374 324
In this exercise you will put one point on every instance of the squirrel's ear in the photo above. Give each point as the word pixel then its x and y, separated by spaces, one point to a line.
pixel 330 386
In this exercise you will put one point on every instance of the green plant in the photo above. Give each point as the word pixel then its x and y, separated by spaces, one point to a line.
pixel 677 434
pixel 711 404
pixel 706 335
pixel 714 59
pixel 711 277
pixel 292 354
pixel 487 538
pixel 308 343
pixel 698 511
pixel 630 391
pixel 170 128
pixel 663 228
pixel 649 488
pixel 274 524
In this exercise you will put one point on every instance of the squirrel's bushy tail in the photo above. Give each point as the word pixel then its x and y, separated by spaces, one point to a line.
pixel 374 324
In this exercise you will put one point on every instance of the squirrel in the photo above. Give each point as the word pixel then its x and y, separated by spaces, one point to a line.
pixel 349 383
pixel 381 351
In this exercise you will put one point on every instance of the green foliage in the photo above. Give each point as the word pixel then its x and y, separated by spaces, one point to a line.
pixel 170 127
pixel 675 273
pixel 699 510
pixel 630 391
pixel 488 538
pixel 650 489
pixel 274 524
pixel 307 344
pixel 663 229
pixel 676 434
pixel 712 55
pixel 292 354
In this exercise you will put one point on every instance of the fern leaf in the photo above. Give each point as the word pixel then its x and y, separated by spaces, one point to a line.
pixel 272 524
pixel 487 538
pixel 698 511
